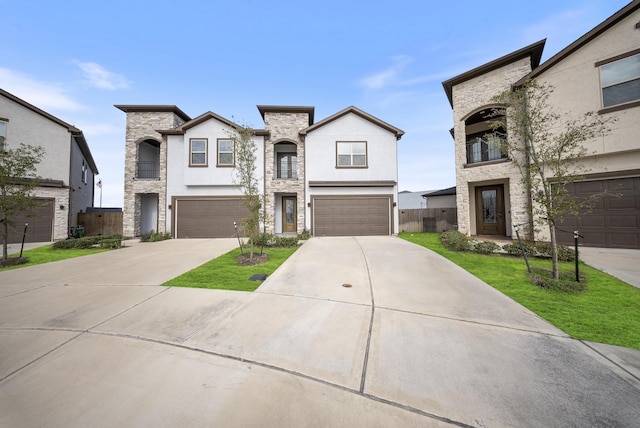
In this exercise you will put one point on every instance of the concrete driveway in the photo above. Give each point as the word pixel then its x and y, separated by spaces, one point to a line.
pixel 366 331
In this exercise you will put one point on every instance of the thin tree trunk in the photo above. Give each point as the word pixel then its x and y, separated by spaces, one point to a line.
pixel 554 251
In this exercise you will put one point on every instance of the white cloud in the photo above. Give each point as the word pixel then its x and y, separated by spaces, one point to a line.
pixel 44 95
pixel 102 78
pixel 389 76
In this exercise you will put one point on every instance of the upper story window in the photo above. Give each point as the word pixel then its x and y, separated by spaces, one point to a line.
pixel 620 81
pixel 198 151
pixel 484 143
pixel 226 155
pixel 287 165
pixel 3 135
pixel 351 154
pixel 84 172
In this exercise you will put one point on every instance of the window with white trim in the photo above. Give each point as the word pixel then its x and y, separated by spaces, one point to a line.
pixel 226 155
pixel 351 154
pixel 198 151
pixel 620 81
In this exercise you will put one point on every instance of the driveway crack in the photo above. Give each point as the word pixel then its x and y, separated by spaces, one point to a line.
pixel 373 311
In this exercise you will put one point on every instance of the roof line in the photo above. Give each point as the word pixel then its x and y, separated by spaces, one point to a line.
pixel 351 109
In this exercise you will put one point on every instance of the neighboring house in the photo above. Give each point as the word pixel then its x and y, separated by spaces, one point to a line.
pixel 333 177
pixel 412 200
pixel 445 198
pixel 67 169
pixel 598 72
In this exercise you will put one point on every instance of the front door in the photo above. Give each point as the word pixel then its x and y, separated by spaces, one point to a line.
pixel 289 216
pixel 490 210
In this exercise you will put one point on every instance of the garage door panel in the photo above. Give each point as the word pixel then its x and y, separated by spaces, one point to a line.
pixel 40 220
pixel 614 221
pixel 207 218
pixel 351 216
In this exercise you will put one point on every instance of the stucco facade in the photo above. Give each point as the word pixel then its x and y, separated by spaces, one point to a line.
pixel 67 167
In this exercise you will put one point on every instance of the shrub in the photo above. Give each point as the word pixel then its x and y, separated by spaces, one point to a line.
pixel 565 254
pixel 87 242
pixel 110 244
pixel 154 236
pixel 513 249
pixel 566 283
pixel 455 240
pixel 269 240
pixel 485 247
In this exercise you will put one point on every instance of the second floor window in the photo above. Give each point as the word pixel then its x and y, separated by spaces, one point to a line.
pixel 351 154
pixel 287 165
pixel 226 155
pixel 484 143
pixel 3 135
pixel 198 152
pixel 620 81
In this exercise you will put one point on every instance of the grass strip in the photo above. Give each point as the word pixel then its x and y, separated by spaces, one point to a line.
pixel 224 273
pixel 47 254
pixel 608 311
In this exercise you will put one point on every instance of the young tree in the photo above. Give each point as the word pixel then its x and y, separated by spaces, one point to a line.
pixel 245 177
pixel 546 147
pixel 17 180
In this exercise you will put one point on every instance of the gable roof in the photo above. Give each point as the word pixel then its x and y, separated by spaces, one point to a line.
pixel 398 132
pixel 287 109
pixel 180 130
pixel 586 38
pixel 75 132
pixel 153 108
pixel 533 51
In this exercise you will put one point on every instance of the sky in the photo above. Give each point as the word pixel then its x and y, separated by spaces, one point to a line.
pixel 75 59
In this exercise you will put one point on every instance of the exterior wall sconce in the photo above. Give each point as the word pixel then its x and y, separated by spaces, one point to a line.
pixel 169 207
pixel 309 204
pixel 61 207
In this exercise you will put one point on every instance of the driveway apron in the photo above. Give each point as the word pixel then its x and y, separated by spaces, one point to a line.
pixel 354 331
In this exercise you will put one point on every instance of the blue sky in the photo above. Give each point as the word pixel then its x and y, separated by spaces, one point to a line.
pixel 76 59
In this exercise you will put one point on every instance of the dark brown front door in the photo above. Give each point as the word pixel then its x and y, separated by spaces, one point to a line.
pixel 490 210
pixel 289 214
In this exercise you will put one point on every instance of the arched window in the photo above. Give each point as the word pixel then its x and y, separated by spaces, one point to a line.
pixel 286 159
pixel 148 164
pixel 484 141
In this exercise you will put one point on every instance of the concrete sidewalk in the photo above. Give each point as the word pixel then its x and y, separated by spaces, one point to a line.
pixel 412 341
pixel 621 263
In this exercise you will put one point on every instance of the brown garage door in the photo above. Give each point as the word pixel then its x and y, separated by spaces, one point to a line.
pixel 614 221
pixel 40 219
pixel 351 215
pixel 207 217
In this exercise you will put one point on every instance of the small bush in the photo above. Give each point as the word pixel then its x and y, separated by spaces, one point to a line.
pixel 110 244
pixel 155 236
pixel 485 247
pixel 87 242
pixel 566 283
pixel 514 249
pixel 455 240
pixel 565 254
pixel 269 240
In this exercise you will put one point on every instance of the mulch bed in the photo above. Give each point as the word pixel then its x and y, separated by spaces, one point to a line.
pixel 13 261
pixel 247 260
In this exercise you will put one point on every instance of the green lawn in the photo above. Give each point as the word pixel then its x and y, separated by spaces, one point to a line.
pixel 607 312
pixel 47 254
pixel 225 273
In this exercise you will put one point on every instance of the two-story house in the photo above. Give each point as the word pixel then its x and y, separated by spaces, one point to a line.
pixel 599 72
pixel 334 177
pixel 67 169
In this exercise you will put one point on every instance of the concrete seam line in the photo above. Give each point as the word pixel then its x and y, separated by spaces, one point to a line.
pixel 286 371
pixel 609 359
pixel 26 291
pixel 42 356
pixel 295 296
pixel 373 310
pixel 505 327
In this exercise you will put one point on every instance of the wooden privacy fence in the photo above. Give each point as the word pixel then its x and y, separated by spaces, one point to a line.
pixel 101 223
pixel 428 220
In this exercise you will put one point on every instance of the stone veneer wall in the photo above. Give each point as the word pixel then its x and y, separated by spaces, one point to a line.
pixel 60 216
pixel 141 126
pixel 468 97
pixel 284 126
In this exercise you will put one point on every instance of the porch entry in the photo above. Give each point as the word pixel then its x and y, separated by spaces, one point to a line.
pixel 490 210
pixel 289 214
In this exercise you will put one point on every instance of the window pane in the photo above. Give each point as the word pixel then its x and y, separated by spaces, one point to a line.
pixel 359 160
pixel 198 158
pixel 489 212
pixel 198 145
pixel 620 71
pixel 344 160
pixel 359 148
pixel 225 145
pixel 225 159
pixel 344 148
pixel 622 93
